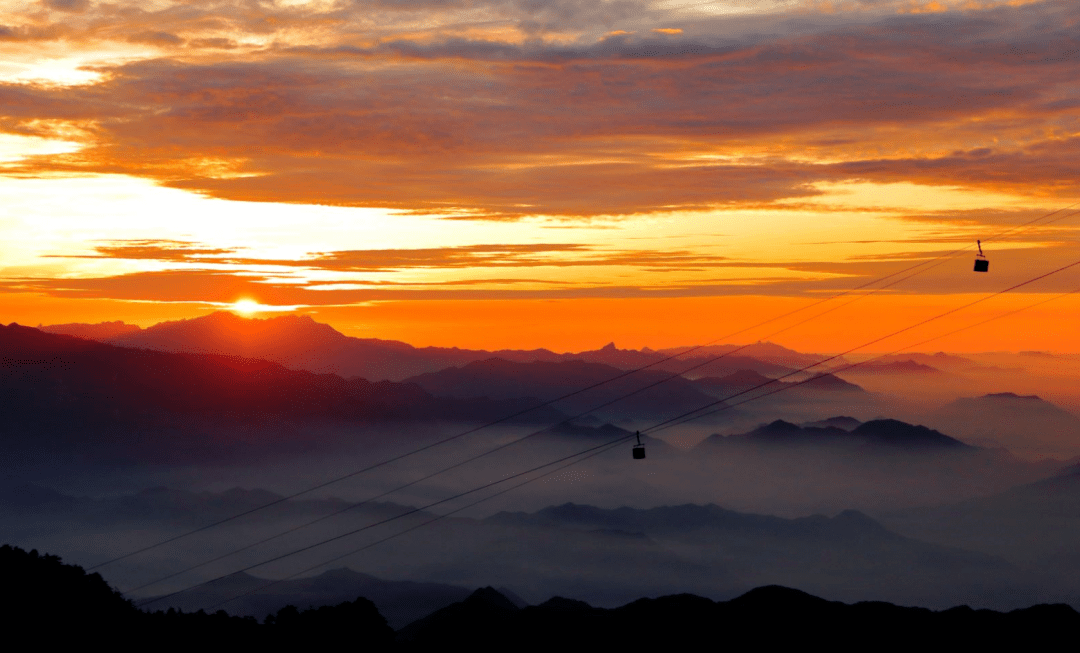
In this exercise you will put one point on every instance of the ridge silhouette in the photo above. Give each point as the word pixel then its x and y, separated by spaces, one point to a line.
pixel 71 605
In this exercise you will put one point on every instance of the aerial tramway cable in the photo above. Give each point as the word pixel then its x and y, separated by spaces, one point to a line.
pixel 411 511
pixel 568 395
pixel 611 445
pixel 688 416
pixel 663 425
pixel 638 451
pixel 931 263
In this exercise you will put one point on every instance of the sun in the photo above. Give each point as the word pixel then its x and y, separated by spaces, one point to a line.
pixel 247 306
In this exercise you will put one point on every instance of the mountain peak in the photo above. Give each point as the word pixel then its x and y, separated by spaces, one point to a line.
pixel 609 347
pixel 841 422
pixel 1011 395
pixel 776 595
pixel 895 432
pixel 490 598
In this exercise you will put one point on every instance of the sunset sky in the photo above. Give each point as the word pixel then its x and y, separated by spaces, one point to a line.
pixel 528 173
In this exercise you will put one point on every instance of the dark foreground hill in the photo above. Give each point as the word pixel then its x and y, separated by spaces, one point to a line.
pixel 767 616
pixel 61 604
pixel 56 604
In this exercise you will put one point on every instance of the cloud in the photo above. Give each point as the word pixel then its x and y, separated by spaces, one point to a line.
pixel 163 39
pixel 153 250
pixel 487 256
pixel 67 5
pixel 470 119
pixel 1011 266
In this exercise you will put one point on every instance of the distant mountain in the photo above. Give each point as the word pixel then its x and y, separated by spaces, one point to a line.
pixel 571 549
pixel 295 341
pixel 819 387
pixel 841 422
pixel 100 399
pixel 101 331
pixel 400 602
pixel 779 356
pixel 888 433
pixel 1022 423
pixel 940 360
pixel 706 548
pixel 499 379
pixel 298 342
pixel 904 367
pixel 1036 526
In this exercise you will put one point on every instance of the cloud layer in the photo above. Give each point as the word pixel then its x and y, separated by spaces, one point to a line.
pixel 559 108
pixel 573 111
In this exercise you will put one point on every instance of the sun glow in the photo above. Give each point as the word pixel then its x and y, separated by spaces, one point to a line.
pixel 249 307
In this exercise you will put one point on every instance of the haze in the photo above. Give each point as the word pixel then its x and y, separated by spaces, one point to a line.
pixel 249 249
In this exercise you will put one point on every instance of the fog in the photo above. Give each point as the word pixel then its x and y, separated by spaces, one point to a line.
pixel 839 486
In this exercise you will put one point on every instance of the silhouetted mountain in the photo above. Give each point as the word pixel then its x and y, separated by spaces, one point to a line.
pixel 63 605
pixel 1036 526
pixel 69 396
pixel 821 387
pixel 694 520
pixel 900 434
pixel 40 589
pixel 840 422
pixel 544 381
pixel 875 433
pixel 779 357
pixel 357 622
pixel 1025 424
pixel 940 360
pixel 298 342
pixel 400 602
pixel 75 606
pixel 772 616
pixel 902 367
pixel 100 331
pixel 31 498
pixel 849 556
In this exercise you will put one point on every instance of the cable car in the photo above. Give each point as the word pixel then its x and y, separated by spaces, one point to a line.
pixel 982 264
pixel 639 449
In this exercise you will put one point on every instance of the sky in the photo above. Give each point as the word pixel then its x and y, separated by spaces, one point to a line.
pixel 520 173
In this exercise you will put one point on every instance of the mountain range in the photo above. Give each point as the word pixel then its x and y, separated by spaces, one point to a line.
pixel 77 605
pixel 1020 423
pixel 75 397
pixel 1035 525
pixel 575 550
pixel 299 342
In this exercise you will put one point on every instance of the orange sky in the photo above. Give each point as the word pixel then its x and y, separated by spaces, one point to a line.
pixel 491 173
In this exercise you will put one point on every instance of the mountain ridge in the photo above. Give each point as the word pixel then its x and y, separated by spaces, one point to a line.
pixel 300 342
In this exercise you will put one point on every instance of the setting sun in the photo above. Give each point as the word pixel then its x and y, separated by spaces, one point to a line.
pixel 247 307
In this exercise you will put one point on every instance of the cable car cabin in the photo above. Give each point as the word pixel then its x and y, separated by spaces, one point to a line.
pixel 639 449
pixel 982 264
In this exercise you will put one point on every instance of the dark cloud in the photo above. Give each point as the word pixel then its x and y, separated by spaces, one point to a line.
pixel 1047 165
pixel 67 5
pixel 484 126
pixel 155 38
